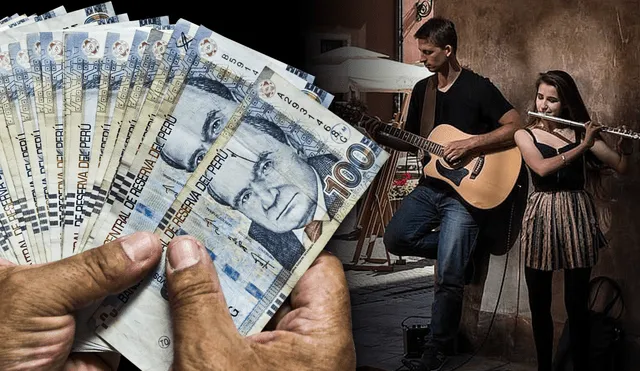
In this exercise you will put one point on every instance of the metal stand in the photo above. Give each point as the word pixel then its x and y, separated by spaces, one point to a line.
pixel 377 211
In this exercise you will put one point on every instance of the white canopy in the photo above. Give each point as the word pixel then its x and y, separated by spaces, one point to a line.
pixel 339 55
pixel 364 75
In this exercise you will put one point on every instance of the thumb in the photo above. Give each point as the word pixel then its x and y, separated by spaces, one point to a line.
pixel 73 283
pixel 6 263
pixel 197 304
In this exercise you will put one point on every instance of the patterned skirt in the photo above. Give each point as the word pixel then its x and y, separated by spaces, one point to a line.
pixel 560 231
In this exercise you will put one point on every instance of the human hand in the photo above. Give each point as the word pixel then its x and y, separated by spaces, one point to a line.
pixel 624 146
pixel 38 327
pixel 313 332
pixel 458 150
pixel 592 130
pixel 372 127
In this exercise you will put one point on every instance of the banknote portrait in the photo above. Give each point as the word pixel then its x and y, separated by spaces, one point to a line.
pixel 199 127
pixel 279 189
pixel 266 178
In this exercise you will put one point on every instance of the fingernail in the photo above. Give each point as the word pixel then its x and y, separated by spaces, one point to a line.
pixel 138 246
pixel 183 253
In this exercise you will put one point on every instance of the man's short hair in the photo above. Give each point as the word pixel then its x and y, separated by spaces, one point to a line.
pixel 440 32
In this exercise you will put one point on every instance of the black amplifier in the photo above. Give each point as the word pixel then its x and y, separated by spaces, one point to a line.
pixel 414 338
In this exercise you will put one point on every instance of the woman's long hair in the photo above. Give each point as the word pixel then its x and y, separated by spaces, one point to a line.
pixel 574 109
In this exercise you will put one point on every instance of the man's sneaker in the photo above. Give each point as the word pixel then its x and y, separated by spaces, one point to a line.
pixel 433 359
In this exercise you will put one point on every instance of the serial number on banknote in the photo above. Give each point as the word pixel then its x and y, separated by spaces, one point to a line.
pixel 335 134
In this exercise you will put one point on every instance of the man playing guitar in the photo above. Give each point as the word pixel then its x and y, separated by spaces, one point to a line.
pixel 472 104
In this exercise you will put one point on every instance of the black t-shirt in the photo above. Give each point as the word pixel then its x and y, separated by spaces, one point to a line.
pixel 472 104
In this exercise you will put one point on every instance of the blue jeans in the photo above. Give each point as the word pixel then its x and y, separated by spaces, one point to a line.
pixel 410 233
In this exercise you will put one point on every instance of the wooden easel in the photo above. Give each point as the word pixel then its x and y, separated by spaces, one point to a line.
pixel 377 210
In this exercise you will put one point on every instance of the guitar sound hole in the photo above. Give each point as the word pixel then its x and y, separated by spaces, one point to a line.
pixel 455 165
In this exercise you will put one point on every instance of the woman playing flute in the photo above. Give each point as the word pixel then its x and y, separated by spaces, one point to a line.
pixel 560 228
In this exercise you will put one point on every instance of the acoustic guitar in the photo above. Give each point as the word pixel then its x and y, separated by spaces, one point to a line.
pixel 494 184
pixel 484 181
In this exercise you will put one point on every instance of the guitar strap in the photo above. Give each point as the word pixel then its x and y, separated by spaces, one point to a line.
pixel 429 107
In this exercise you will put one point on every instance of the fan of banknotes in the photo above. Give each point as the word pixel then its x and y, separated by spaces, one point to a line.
pixel 112 126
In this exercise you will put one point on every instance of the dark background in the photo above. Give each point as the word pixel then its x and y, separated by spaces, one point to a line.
pixel 274 28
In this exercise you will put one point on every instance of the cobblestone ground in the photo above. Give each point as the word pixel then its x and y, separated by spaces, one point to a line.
pixel 381 301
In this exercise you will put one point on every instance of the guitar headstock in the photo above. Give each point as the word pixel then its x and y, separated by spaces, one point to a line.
pixel 352 111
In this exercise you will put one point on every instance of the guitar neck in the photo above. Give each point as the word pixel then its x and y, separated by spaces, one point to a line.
pixel 409 138
pixel 414 140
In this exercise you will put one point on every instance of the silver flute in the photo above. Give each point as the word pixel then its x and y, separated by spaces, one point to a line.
pixel 619 131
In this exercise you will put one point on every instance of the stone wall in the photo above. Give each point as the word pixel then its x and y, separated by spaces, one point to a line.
pixel 598 43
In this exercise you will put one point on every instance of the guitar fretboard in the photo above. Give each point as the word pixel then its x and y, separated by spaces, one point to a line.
pixel 415 140
pixel 354 115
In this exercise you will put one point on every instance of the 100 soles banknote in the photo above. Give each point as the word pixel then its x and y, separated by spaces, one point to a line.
pixel 111 126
